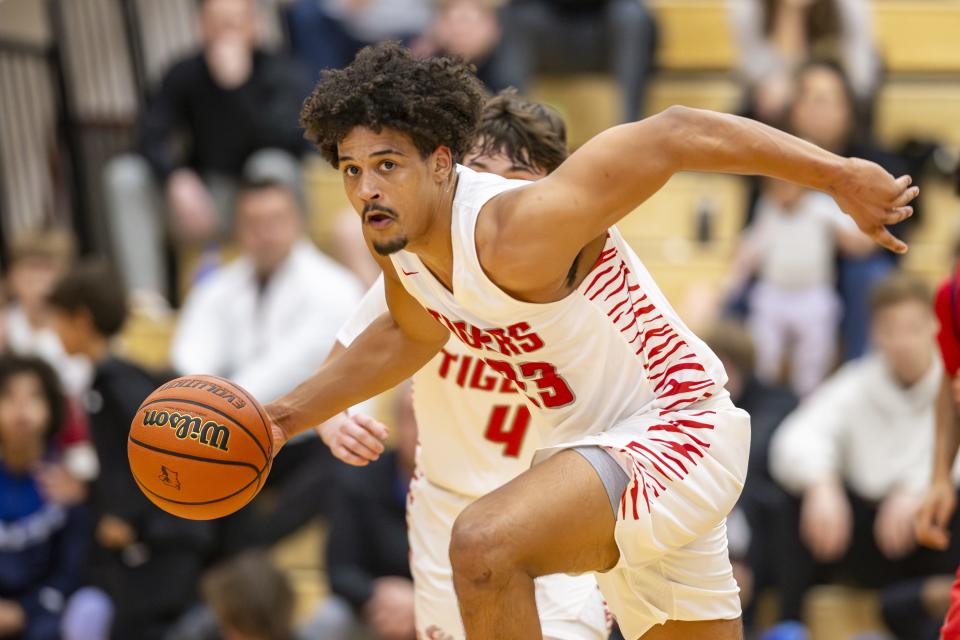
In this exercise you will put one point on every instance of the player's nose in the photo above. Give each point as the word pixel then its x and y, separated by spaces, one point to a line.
pixel 368 190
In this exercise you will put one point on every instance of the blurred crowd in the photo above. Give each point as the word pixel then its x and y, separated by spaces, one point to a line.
pixel 828 344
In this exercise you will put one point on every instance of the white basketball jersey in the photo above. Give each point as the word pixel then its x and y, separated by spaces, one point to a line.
pixel 475 431
pixel 612 348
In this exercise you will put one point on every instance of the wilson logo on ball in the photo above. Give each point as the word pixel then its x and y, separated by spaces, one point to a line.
pixel 185 426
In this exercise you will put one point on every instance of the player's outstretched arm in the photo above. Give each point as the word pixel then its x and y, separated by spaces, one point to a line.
pixel 544 225
pixel 388 352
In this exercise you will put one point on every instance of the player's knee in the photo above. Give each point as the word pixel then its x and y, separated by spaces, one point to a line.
pixel 479 554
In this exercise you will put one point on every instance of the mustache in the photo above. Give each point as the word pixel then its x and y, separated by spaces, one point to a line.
pixel 372 208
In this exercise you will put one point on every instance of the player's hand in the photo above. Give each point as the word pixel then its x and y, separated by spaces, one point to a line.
pixel 893 527
pixel 932 525
pixel 279 438
pixel 12 618
pixel 356 439
pixel 826 521
pixel 390 609
pixel 114 533
pixel 874 199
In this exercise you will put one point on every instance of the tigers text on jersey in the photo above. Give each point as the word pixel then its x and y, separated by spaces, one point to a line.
pixel 611 349
pixel 475 431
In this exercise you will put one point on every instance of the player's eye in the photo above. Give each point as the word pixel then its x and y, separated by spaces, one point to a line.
pixel 388 165
pixel 352 171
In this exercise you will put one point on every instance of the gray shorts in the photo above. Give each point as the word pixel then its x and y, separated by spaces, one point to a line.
pixel 612 475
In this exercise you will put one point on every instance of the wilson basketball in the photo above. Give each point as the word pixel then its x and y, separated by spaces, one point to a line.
pixel 200 447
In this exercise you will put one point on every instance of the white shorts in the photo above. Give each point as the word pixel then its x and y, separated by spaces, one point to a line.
pixel 686 470
pixel 571 607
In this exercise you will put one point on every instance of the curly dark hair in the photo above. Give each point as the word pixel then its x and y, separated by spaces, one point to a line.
pixel 529 133
pixel 435 101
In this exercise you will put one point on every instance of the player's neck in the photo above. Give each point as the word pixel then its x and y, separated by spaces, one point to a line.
pixel 435 247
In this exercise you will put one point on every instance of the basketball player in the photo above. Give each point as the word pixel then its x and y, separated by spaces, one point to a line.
pixel 645 454
pixel 475 433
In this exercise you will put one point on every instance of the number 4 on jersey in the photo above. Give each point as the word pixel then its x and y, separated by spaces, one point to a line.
pixel 512 435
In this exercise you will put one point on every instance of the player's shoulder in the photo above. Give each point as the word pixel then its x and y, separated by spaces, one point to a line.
pixel 476 188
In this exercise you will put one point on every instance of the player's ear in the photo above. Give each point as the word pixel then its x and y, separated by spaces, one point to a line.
pixel 442 164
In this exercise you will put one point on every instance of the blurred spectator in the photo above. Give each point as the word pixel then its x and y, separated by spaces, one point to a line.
pixel 367 552
pixel 762 503
pixel 238 107
pixel 826 114
pixel 138 546
pixel 857 454
pixel 567 36
pixel 327 34
pixel 267 320
pixel 774 37
pixel 793 308
pixel 468 29
pixel 37 260
pixel 42 544
pixel 251 599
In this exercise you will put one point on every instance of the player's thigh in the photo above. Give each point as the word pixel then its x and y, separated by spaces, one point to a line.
pixel 553 518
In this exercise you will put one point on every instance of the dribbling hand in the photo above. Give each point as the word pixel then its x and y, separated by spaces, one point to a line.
pixel 874 199
pixel 356 440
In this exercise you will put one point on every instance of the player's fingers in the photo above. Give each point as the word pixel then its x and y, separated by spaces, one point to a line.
pixel 375 427
pixel 903 182
pixel 905 197
pixel 898 214
pixel 887 240
pixel 345 455
pixel 364 437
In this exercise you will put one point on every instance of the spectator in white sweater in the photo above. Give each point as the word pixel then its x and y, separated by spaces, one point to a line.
pixel 268 319
pixel 857 452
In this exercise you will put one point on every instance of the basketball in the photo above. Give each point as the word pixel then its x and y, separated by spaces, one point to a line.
pixel 200 447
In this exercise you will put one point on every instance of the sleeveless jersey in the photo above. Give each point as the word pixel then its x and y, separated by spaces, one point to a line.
pixel 611 349
pixel 474 430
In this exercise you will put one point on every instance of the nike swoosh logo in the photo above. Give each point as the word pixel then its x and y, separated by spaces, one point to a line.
pixel 408 273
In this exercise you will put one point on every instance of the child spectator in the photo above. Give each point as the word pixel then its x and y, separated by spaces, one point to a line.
pixel 250 598
pixel 793 309
pixel 138 546
pixel 37 261
pixel 42 544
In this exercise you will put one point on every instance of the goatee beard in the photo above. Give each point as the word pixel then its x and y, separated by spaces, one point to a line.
pixel 391 246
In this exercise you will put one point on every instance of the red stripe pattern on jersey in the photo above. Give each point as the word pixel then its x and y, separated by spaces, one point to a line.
pixel 671 449
pixel 672 369
pixel 668 453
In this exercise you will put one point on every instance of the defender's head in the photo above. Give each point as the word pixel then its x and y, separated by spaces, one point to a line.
pixel 395 126
pixel 518 139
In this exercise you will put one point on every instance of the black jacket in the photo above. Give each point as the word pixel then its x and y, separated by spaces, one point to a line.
pixel 223 127
pixel 368 530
